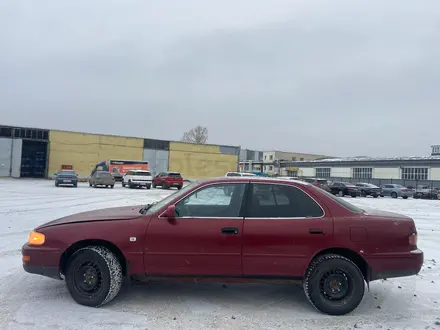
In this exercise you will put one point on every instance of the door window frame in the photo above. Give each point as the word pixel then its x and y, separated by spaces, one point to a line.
pixel 249 202
pixel 242 211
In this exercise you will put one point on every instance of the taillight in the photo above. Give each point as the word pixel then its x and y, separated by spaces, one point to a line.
pixel 349 188
pixel 404 190
pixel 412 240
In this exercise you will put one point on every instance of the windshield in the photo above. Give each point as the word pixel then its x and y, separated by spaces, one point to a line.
pixel 174 174
pixel 67 173
pixel 159 204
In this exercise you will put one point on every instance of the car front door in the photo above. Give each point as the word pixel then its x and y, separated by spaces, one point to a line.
pixel 386 190
pixel 205 238
pixel 283 227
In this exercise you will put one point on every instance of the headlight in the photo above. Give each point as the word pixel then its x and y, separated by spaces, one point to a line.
pixel 36 238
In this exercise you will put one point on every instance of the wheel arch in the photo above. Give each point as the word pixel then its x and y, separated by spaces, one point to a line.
pixel 355 257
pixel 65 256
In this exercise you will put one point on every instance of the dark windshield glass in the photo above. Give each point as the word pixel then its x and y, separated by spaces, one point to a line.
pixel 142 173
pixel 174 174
pixel 67 173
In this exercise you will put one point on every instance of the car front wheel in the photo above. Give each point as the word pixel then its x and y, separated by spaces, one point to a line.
pixel 334 284
pixel 93 276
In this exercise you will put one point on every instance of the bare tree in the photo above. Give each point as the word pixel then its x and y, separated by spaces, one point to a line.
pixel 197 134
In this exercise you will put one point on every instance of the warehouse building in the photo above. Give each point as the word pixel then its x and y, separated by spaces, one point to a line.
pixel 400 170
pixel 29 152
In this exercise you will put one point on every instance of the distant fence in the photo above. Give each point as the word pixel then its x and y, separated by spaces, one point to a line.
pixel 379 182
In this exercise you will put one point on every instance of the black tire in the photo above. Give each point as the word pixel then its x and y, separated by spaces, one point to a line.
pixel 90 184
pixel 112 186
pixel 382 195
pixel 57 184
pixel 341 193
pixel 97 262
pixel 375 196
pixel 363 193
pixel 95 185
pixel 179 187
pixel 393 194
pixel 405 197
pixel 148 186
pixel 353 196
pixel 75 185
pixel 154 185
pixel 328 266
pixel 123 184
pixel 164 185
pixel 130 185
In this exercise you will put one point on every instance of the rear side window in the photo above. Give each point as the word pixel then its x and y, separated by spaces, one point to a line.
pixel 281 201
pixel 233 174
pixel 341 202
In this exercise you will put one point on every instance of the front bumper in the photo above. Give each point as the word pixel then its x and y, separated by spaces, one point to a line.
pixel 41 260
pixel 397 265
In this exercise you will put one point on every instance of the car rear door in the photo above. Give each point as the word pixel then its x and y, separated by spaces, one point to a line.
pixel 284 226
pixel 205 238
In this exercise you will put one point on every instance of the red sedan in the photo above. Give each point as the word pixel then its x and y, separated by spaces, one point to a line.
pixel 263 230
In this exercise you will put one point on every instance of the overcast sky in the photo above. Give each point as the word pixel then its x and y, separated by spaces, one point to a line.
pixel 337 77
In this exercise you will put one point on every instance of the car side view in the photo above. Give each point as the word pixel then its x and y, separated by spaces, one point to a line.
pixel 265 230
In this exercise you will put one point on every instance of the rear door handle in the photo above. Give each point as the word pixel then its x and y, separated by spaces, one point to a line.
pixel 230 230
pixel 316 231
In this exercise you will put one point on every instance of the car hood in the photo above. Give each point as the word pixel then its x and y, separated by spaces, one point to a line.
pixel 108 214
pixel 384 214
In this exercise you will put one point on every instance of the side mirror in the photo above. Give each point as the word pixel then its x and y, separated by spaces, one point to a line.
pixel 170 213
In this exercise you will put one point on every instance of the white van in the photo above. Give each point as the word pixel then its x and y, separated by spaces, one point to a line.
pixel 137 178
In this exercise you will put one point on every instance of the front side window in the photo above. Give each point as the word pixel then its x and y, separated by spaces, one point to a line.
pixel 281 201
pixel 216 200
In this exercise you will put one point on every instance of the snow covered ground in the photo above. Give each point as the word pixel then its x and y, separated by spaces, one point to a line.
pixel 30 301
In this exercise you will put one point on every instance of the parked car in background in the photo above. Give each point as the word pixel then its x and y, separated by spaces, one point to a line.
pixel 395 191
pixel 426 192
pixel 368 189
pixel 66 178
pixel 167 180
pixel 102 178
pixel 321 183
pixel 137 178
pixel 344 189
pixel 265 230
pixel 229 174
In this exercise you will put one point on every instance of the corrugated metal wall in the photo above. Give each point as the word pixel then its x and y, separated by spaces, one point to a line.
pixel 156 152
pixel 17 147
pixel 5 156
pixel 83 151
pixel 202 161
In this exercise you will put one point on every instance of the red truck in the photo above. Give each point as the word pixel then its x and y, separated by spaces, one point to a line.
pixel 265 230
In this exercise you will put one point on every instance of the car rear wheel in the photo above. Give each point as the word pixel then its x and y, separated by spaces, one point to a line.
pixel 179 187
pixel 375 196
pixel 405 197
pixel 93 276
pixel 164 185
pixel 334 284
pixel 112 186
pixel 148 186
pixel 363 193
pixel 394 194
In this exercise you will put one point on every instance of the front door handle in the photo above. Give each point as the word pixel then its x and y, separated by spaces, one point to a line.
pixel 316 231
pixel 230 230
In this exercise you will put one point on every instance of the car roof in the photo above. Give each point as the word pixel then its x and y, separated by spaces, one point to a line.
pixel 252 179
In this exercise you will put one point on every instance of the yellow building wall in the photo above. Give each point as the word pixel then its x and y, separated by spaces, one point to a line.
pixel 197 161
pixel 83 151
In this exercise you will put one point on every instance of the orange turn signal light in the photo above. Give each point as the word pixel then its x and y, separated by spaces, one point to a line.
pixel 36 238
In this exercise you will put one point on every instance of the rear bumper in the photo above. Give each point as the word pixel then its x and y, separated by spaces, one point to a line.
pixel 399 265
pixel 41 261
pixel 141 183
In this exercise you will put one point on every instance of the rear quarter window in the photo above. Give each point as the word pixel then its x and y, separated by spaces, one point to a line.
pixel 341 201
